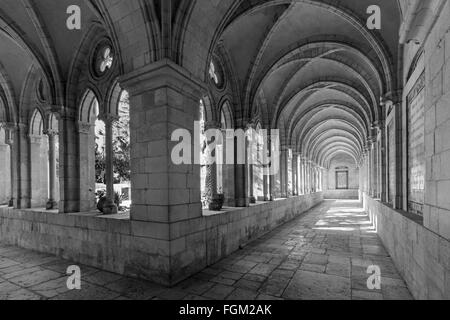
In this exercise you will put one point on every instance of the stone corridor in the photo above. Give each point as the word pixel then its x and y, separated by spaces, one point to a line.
pixel 324 254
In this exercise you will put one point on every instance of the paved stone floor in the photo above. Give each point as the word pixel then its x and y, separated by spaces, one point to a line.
pixel 322 255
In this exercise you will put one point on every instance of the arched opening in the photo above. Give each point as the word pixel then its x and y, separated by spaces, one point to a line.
pixel 258 166
pixel 39 161
pixel 53 162
pixel 91 151
pixel 5 169
pixel 205 170
pixel 227 184
pixel 121 150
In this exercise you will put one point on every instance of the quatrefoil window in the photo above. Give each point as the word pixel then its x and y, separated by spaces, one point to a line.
pixel 213 73
pixel 103 60
pixel 216 74
pixel 107 61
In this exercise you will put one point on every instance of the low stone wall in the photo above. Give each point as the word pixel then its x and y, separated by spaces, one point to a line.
pixel 341 194
pixel 422 257
pixel 112 245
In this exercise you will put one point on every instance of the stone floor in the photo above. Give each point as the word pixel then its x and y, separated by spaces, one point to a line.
pixel 322 255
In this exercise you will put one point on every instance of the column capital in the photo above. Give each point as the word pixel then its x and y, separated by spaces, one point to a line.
pixel 212 125
pixel 164 71
pixel 108 118
pixel 84 127
pixel 51 132
pixel 10 131
pixel 35 139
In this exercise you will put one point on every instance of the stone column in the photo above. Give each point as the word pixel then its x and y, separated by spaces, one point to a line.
pixel 266 196
pixel 295 174
pixel 306 168
pixel 9 140
pixel 5 159
pixel 164 105
pixel 51 203
pixel 369 168
pixel 211 168
pixel 109 207
pixel 228 172
pixel 22 156
pixel 70 156
pixel 38 190
pixel 374 167
pixel 251 159
pixel 383 163
pixel 241 175
pixel 303 176
pixel 269 179
pixel 309 177
pixel 284 171
pixel 86 165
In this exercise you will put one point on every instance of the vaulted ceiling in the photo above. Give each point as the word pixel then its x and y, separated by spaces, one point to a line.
pixel 308 67
pixel 313 70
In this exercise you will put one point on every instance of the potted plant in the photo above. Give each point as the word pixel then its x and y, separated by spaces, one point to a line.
pixel 216 202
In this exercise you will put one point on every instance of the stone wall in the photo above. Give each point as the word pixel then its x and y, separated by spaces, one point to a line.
pixel 117 246
pixel 421 256
pixel 341 194
pixel 340 161
pixel 437 125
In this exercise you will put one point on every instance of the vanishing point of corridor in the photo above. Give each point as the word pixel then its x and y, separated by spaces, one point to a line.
pixel 323 254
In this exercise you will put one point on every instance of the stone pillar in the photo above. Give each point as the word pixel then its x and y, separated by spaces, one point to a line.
pixel 51 203
pixel 86 166
pixel 369 168
pixel 302 167
pixel 269 178
pixel 383 163
pixel 309 181
pixel 9 140
pixel 374 167
pixel 164 105
pixel 241 175
pixel 251 182
pixel 228 172
pixel 70 157
pixel 22 158
pixel 38 185
pixel 5 166
pixel 295 174
pixel 109 207
pixel 306 164
pixel 251 159
pixel 211 167
pixel 284 171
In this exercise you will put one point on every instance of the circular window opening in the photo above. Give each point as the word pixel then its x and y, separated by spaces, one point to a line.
pixel 103 59
pixel 216 74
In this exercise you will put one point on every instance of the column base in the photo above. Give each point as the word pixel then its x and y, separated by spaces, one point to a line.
pixel 242 202
pixel 252 200
pixel 11 203
pixel 51 204
pixel 110 207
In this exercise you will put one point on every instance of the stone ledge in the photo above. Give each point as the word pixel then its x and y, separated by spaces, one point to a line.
pixel 185 248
